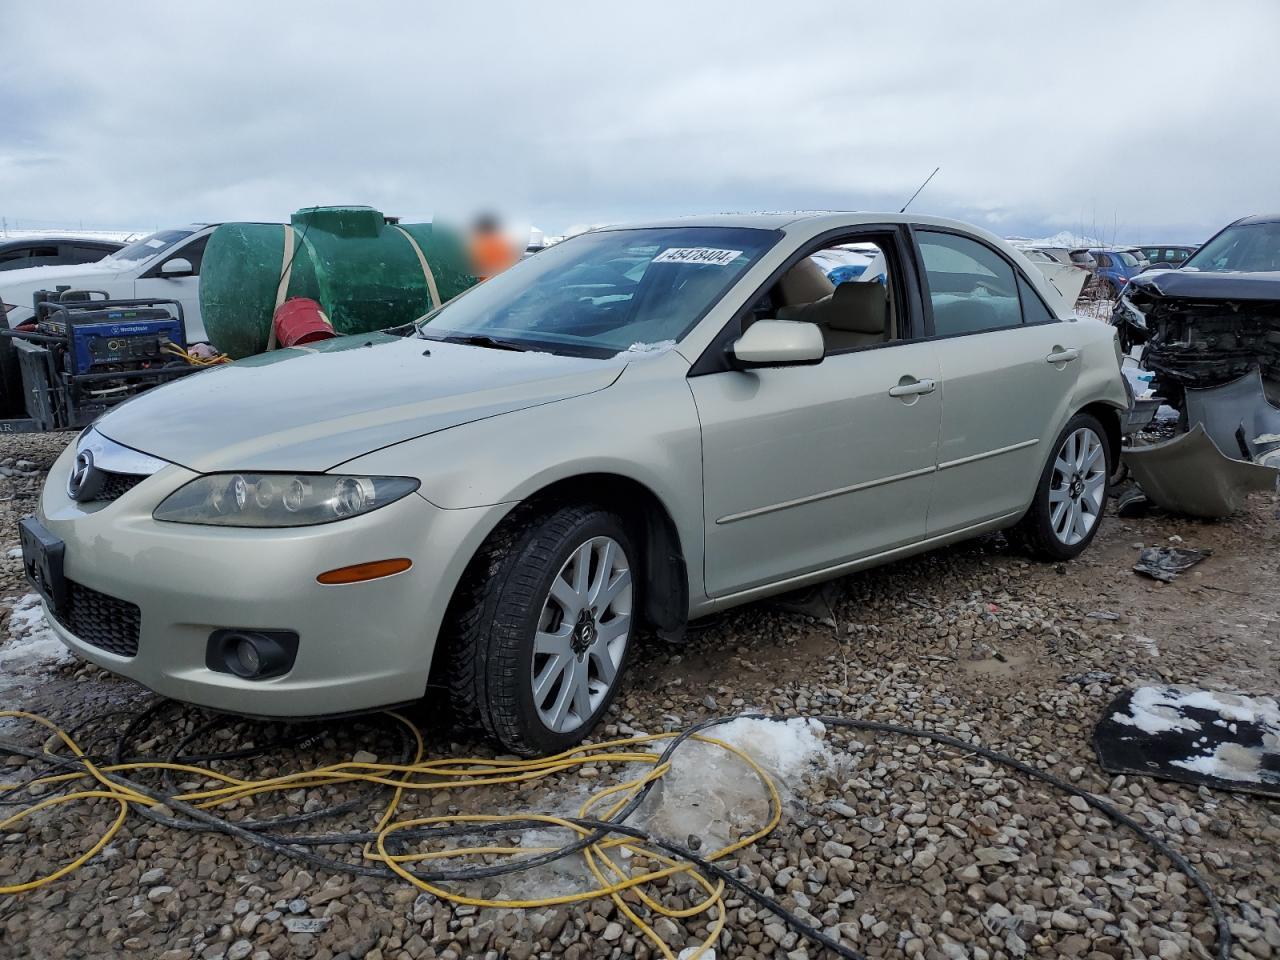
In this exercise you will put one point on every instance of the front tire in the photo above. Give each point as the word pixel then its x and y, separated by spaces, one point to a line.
pixel 540 633
pixel 1071 494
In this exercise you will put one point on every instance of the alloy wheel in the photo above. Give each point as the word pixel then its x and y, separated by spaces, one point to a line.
pixel 1077 486
pixel 582 634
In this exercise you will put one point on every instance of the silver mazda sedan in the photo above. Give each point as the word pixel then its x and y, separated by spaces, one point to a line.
pixel 635 427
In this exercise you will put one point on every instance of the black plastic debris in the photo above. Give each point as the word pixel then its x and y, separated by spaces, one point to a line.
pixel 1132 503
pixel 1165 563
pixel 1221 740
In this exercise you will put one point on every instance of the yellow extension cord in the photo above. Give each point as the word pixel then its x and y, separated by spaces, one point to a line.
pixel 611 878
pixel 176 351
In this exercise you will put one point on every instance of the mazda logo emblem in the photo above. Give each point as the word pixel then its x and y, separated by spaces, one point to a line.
pixel 86 480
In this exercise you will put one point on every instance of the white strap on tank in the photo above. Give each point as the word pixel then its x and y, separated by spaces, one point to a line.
pixel 426 268
pixel 286 272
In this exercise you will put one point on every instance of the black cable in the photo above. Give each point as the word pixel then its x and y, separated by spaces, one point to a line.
pixel 296 847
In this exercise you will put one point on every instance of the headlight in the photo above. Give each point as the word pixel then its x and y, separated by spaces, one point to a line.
pixel 279 499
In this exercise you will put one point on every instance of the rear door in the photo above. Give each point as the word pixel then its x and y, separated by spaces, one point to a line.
pixel 185 288
pixel 806 467
pixel 1008 372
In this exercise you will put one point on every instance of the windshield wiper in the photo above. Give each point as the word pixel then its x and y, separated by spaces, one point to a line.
pixel 484 340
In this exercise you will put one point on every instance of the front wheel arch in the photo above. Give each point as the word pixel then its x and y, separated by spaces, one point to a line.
pixel 664 591
pixel 665 584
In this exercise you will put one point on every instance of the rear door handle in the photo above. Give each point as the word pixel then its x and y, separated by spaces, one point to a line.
pixel 1061 355
pixel 910 387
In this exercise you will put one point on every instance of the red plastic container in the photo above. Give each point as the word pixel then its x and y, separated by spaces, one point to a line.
pixel 301 320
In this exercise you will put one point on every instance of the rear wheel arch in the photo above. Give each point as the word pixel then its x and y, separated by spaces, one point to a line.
pixel 1109 416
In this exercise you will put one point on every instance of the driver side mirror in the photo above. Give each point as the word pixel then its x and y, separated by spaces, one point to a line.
pixel 177 267
pixel 778 343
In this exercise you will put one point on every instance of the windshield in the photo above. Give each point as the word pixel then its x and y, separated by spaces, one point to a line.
pixel 150 246
pixel 1128 259
pixel 604 292
pixel 1246 247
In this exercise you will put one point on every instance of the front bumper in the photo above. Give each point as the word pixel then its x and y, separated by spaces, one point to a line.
pixel 361 645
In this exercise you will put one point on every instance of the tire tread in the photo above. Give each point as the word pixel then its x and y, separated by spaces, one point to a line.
pixel 487 619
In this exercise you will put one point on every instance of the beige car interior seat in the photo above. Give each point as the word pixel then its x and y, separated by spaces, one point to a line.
pixel 853 314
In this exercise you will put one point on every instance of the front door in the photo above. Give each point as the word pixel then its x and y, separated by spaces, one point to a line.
pixel 185 289
pixel 807 467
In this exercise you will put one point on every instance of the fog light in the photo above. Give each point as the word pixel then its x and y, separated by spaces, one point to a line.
pixel 252 654
pixel 248 658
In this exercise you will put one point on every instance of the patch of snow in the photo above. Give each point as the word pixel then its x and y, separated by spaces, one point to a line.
pixel 1064 239
pixel 785 748
pixel 14 553
pixel 1229 761
pixel 32 648
pixel 709 795
pixel 62 271
pixel 639 348
pixel 118 236
pixel 1155 710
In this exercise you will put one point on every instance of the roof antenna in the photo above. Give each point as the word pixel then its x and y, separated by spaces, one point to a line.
pixel 918 189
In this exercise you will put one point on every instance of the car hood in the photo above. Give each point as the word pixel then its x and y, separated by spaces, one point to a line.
pixel 1203 285
pixel 17 286
pixel 314 408
pixel 76 275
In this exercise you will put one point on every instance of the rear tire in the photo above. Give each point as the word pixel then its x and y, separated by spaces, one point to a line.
pixel 1071 494
pixel 539 634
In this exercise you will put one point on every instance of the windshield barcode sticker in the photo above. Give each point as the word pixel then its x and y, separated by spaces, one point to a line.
pixel 717 258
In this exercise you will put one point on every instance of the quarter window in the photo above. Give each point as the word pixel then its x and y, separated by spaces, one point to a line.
pixel 1033 308
pixel 76 253
pixel 971 287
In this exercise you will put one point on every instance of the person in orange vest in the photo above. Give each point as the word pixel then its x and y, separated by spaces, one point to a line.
pixel 491 252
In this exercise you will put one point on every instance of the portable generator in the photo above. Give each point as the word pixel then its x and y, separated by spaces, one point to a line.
pixel 114 338
pixel 79 355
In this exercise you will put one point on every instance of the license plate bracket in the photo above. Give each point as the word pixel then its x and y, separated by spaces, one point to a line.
pixel 42 558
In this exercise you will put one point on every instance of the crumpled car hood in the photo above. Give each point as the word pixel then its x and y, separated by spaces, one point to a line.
pixel 1198 285
pixel 315 408
pixel 1202 329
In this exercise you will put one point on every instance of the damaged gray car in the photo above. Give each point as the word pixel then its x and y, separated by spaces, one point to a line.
pixel 1215 318
pixel 1210 334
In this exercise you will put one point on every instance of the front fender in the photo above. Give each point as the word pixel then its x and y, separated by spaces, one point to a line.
pixel 644 428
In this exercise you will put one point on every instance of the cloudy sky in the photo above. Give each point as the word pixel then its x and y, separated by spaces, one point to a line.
pixel 1130 121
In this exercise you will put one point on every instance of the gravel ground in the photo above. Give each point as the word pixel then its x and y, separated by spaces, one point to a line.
pixel 897 846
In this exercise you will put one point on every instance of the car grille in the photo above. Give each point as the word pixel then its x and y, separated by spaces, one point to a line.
pixel 115 485
pixel 102 621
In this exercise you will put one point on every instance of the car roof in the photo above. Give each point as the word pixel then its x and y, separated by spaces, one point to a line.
pixel 810 220
pixel 1260 218
pixel 58 238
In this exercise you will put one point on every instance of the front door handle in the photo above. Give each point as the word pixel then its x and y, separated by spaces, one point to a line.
pixel 1063 355
pixel 910 387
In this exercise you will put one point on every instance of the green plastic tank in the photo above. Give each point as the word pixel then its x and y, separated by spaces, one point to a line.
pixel 366 271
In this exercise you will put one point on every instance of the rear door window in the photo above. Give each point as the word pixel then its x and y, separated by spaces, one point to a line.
pixel 971 287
